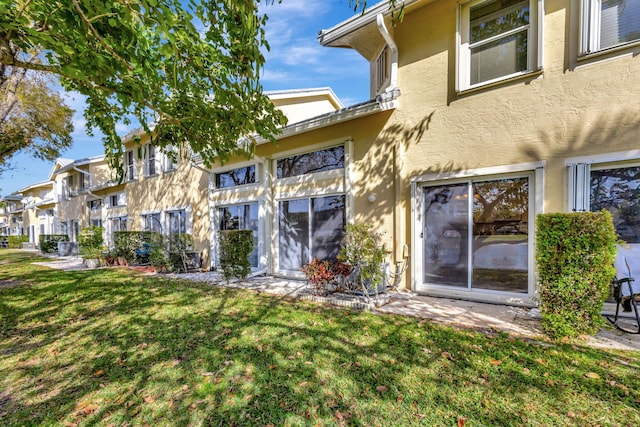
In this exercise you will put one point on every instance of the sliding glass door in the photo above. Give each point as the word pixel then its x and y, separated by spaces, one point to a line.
pixel 242 217
pixel 309 228
pixel 476 234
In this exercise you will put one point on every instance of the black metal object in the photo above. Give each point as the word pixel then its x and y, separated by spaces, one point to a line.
pixel 628 303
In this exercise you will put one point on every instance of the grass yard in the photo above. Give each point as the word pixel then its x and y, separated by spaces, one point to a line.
pixel 114 348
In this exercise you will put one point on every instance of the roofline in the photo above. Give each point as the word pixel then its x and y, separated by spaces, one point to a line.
pixel 291 93
pixel 330 35
pixel 80 162
pixel 35 185
pixel 383 102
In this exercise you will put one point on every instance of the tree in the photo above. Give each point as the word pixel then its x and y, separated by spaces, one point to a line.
pixel 187 73
pixel 33 118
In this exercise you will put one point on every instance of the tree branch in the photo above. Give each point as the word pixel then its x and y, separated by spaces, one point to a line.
pixel 95 33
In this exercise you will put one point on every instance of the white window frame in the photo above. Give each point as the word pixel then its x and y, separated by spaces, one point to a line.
pixel 535 170
pixel 311 176
pixel 150 158
pixel 590 29
pixel 578 175
pixel 534 43
pixel 382 70
pixel 130 168
pixel 259 171
pixel 168 165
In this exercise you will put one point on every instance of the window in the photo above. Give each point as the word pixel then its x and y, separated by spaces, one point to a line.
pixel 151 222
pixel 119 223
pixel 41 228
pixel 170 159
pixel 68 187
pixel 130 165
pixel 498 40
pixel 316 161
pixel 242 217
pixel 82 184
pixel 618 191
pixel 176 221
pixel 609 23
pixel 236 177
pixel 95 205
pixel 118 199
pixel 310 228
pixel 382 68
pixel 150 160
pixel 476 234
pixel 96 222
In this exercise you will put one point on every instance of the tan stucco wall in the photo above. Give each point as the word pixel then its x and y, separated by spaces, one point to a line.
pixel 185 187
pixel 573 108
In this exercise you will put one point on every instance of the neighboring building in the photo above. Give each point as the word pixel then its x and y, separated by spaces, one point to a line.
pixel 38 210
pixel 10 221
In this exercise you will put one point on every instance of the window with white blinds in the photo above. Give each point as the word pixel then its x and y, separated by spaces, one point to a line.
pixel 609 23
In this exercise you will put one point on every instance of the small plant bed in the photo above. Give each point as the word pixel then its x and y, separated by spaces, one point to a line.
pixel 112 347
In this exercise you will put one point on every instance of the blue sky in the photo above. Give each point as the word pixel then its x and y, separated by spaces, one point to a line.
pixel 296 60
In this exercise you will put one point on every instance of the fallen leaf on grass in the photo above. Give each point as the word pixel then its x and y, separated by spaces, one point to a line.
pixel 382 388
pixel 98 373
pixel 85 408
pixel 592 375
pixel 461 421
pixel 495 362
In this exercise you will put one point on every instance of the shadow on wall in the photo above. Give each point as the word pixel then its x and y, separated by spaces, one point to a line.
pixel 587 134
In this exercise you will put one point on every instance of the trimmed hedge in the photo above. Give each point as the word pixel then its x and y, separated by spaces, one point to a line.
pixel 235 248
pixel 575 254
pixel 15 242
pixel 49 242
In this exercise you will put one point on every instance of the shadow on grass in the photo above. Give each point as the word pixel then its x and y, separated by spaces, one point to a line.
pixel 110 347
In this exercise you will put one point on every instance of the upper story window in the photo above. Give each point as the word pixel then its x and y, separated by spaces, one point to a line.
pixel 150 165
pixel 498 40
pixel 95 205
pixel 130 165
pixel 382 69
pixel 68 186
pixel 316 161
pixel 170 159
pixel 609 23
pixel 236 177
pixel 119 199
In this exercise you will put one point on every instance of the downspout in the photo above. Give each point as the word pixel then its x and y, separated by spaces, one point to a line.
pixel 387 98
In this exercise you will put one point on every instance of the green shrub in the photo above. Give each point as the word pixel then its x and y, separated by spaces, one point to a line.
pixel 49 242
pixel 126 243
pixel 235 248
pixel 362 247
pixel 574 254
pixel 90 242
pixel 15 242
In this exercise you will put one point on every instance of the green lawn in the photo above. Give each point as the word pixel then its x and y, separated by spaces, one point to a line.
pixel 114 348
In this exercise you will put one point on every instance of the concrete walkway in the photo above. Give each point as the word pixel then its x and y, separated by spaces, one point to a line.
pixel 518 321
